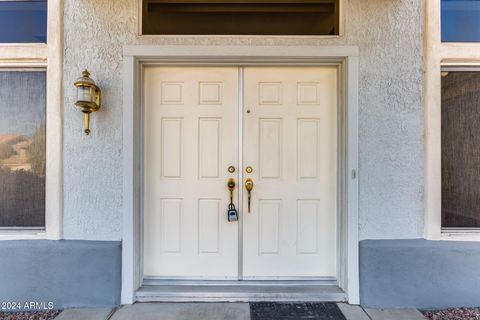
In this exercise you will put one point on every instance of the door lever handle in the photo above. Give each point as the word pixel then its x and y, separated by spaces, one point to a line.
pixel 249 188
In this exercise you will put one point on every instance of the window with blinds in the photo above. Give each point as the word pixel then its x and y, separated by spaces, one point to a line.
pixel 22 148
pixel 460 149
pixel 234 17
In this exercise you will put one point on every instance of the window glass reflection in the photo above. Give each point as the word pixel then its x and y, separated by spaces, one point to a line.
pixel 460 20
pixel 23 21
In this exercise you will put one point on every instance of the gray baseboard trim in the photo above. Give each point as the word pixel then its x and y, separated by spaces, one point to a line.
pixel 66 273
pixel 418 273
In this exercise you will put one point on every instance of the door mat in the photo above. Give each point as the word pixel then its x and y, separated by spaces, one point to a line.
pixel 297 311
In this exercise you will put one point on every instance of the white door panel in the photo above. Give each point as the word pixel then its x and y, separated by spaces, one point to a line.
pixel 191 137
pixel 290 141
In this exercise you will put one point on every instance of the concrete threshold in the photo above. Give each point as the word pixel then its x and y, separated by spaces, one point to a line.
pixel 244 293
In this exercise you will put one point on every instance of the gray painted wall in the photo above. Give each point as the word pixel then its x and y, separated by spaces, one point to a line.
pixel 419 273
pixel 67 273
pixel 389 35
pixel 393 273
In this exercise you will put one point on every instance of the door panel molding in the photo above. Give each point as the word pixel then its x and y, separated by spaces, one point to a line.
pixel 188 145
pixel 137 57
pixel 283 143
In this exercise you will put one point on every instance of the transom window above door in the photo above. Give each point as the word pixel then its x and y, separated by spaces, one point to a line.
pixel 234 17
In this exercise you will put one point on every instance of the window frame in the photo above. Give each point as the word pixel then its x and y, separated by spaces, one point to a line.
pixel 341 28
pixel 440 56
pixel 47 56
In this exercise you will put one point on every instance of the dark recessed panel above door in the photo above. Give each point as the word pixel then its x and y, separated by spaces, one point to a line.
pixel 233 17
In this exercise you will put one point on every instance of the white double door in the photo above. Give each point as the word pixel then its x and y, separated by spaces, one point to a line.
pixel 281 122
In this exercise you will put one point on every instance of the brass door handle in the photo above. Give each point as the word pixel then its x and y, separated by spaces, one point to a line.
pixel 249 188
pixel 232 213
pixel 231 187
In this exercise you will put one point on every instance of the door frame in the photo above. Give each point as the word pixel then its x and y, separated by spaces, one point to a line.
pixel 134 60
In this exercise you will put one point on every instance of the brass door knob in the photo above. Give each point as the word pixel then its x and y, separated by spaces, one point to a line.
pixel 249 184
pixel 231 184
pixel 231 188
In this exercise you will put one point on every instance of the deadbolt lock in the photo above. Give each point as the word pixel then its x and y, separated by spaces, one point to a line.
pixel 231 169
pixel 249 169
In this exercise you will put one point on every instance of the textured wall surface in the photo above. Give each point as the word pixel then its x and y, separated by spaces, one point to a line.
pixel 417 273
pixel 389 35
pixel 66 273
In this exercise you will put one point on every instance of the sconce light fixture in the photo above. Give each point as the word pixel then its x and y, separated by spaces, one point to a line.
pixel 88 97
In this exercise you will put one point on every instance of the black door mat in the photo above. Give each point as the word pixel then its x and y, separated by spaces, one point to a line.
pixel 295 311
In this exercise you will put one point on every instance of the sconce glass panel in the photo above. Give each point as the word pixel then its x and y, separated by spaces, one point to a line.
pixel 84 94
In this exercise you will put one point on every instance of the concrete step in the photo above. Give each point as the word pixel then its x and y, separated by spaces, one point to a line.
pixel 217 311
pixel 85 314
pixel 395 314
pixel 353 312
pixel 184 311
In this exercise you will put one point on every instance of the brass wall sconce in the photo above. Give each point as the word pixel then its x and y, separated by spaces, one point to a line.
pixel 88 97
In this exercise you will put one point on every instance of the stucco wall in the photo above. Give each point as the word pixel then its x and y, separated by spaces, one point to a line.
pixel 389 35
